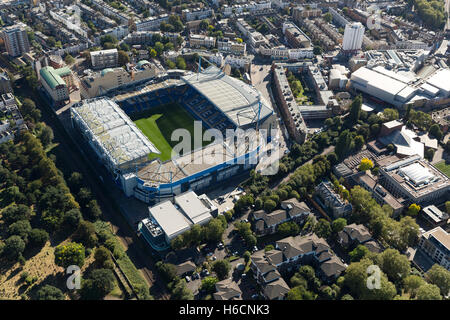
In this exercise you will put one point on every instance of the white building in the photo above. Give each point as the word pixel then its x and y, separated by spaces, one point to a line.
pixel 104 58
pixel 198 40
pixel 436 243
pixel 353 36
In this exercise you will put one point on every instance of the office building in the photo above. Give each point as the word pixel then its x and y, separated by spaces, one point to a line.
pixel 16 39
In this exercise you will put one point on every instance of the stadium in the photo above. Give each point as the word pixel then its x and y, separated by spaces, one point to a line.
pixel 130 132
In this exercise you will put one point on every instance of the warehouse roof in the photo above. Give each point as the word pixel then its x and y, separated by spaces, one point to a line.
pixel 193 207
pixel 172 221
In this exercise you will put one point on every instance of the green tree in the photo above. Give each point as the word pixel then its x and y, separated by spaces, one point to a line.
pixel 98 285
pixel 168 271
pixel 358 253
pixel 338 225
pixel 355 109
pixel 68 254
pixel 49 292
pixel 209 284
pixel 20 228
pixel 269 205
pixel 412 283
pixel 102 255
pixel 85 234
pixel 394 264
pixel 287 229
pixel 390 114
pixel 221 268
pixel 14 247
pixel 323 228
pixel 299 293
pixel 440 277
pixel 428 292
pixel 123 58
pixel 38 237
pixel 413 210
pixel 317 50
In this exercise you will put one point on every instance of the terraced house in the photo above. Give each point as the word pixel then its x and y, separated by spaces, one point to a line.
pixel 288 255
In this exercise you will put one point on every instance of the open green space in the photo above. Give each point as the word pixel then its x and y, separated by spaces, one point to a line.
pixel 159 122
pixel 444 167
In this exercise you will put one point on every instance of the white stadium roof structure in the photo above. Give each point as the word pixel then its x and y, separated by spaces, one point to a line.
pixel 112 133
pixel 236 99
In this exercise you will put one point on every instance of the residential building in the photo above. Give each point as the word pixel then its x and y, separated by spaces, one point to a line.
pixel 227 290
pixel 436 244
pixel 227 45
pixel 332 201
pixel 288 255
pixel 356 234
pixel 104 58
pixel 353 37
pixel 197 14
pixel 151 23
pixel 295 36
pixel 198 40
pixel 434 216
pixel 16 39
pixel 267 223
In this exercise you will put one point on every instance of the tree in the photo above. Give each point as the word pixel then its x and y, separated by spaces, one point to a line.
pixel 447 206
pixel 181 292
pixel 49 292
pixel 269 205
pixel 328 17
pixel 344 144
pixel 75 181
pixel 20 228
pixel 168 271
pixel 358 253
pixel 359 142
pixel 181 64
pixel 159 47
pixel 338 225
pixel 287 229
pixel 412 283
pixel 68 254
pixel 177 243
pixel 429 154
pixel 436 132
pixel 102 255
pixel 15 213
pixel 98 285
pixel 68 59
pixel 394 265
pixel 355 109
pixel 413 210
pixel 317 50
pixel 323 228
pixel 440 277
pixel 123 58
pixel 221 268
pixel 390 114
pixel 85 234
pixel 38 237
pixel 299 293
pixel 153 53
pixel 247 256
pixel 209 284
pixel 366 164
pixel 93 211
pixel 428 292
pixel 14 247
pixel 72 219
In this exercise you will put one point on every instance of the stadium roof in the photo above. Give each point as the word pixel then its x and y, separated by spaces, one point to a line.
pixel 53 76
pixel 112 131
pixel 193 207
pixel 236 99
pixel 172 221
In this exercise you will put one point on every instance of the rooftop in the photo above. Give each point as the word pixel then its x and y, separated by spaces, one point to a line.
pixel 236 99
pixel 171 221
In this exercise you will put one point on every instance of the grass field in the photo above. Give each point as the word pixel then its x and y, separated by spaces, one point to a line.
pixel 445 168
pixel 158 124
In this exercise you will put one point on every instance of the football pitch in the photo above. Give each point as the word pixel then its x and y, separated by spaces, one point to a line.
pixel 159 122
pixel 444 167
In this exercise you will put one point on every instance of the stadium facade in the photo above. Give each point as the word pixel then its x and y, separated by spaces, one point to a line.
pixel 217 100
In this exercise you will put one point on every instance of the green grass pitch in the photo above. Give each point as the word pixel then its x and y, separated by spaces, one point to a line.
pixel 159 122
pixel 445 168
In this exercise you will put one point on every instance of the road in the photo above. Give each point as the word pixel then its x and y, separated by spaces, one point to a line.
pixel 68 154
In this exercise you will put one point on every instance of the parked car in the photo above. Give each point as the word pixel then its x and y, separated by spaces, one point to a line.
pixel 220 246
pixel 214 258
pixel 188 279
pixel 195 276
pixel 255 248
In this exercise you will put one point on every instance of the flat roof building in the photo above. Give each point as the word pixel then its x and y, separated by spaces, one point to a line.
pixel 436 244
pixel 415 180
